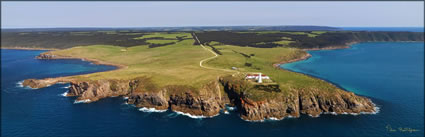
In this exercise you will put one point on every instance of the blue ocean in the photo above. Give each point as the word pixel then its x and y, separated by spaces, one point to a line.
pixel 391 74
pixel 408 29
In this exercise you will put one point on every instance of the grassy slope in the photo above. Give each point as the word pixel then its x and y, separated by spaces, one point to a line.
pixel 178 64
pixel 263 61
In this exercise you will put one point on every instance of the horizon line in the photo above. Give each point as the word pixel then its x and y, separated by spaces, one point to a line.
pixel 214 26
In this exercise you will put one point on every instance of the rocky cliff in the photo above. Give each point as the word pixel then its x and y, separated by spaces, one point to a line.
pixel 311 102
pixel 90 91
pixel 208 100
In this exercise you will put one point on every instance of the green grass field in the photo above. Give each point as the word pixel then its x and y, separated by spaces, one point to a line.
pixel 263 61
pixel 283 42
pixel 178 64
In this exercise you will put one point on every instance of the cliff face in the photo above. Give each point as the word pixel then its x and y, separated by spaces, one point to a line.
pixel 208 100
pixel 41 83
pixel 340 102
pixel 312 102
pixel 95 90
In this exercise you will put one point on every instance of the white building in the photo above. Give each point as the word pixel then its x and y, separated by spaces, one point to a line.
pixel 258 77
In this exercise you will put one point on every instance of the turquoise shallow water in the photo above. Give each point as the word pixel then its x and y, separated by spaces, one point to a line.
pixel 391 74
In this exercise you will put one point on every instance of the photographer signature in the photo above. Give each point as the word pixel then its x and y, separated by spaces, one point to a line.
pixel 401 129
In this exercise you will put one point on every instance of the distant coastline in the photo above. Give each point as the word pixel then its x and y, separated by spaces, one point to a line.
pixel 27 48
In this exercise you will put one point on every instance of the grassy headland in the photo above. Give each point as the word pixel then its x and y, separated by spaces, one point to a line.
pixel 171 58
pixel 177 71
pixel 178 64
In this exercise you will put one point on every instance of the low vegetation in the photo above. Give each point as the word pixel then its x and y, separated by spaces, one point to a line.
pixel 69 39
pixel 303 39
pixel 165 35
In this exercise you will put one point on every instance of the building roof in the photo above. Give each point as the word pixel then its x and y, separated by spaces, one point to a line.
pixel 255 75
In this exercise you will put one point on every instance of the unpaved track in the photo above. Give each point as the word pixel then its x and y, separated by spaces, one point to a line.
pixel 215 56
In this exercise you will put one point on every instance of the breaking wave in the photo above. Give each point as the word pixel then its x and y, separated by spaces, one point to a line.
pixel 194 116
pixel 270 119
pixel 65 93
pixel 144 109
pixel 20 84
pixel 67 87
pixel 82 101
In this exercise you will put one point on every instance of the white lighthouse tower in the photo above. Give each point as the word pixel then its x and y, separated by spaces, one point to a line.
pixel 260 79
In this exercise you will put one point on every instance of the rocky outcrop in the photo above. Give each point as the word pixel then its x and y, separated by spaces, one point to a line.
pixel 41 83
pixel 141 92
pixel 340 102
pixel 46 56
pixel 268 109
pixel 208 100
pixel 95 90
pixel 311 102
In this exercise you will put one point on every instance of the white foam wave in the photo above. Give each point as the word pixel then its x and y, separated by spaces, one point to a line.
pixel 268 119
pixel 82 101
pixel 66 87
pixel 377 109
pixel 125 98
pixel 195 116
pixel 314 116
pixel 230 108
pixel 144 109
pixel 275 119
pixel 226 112
pixel 20 84
pixel 65 93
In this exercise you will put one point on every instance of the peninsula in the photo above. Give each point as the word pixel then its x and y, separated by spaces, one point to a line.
pixel 199 72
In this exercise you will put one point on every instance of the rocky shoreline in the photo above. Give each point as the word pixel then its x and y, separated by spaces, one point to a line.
pixel 208 100
pixel 211 98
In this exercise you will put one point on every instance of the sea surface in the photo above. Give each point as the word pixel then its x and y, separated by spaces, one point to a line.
pixel 409 29
pixel 391 74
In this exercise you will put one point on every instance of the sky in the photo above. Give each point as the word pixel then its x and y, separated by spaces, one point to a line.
pixel 177 14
